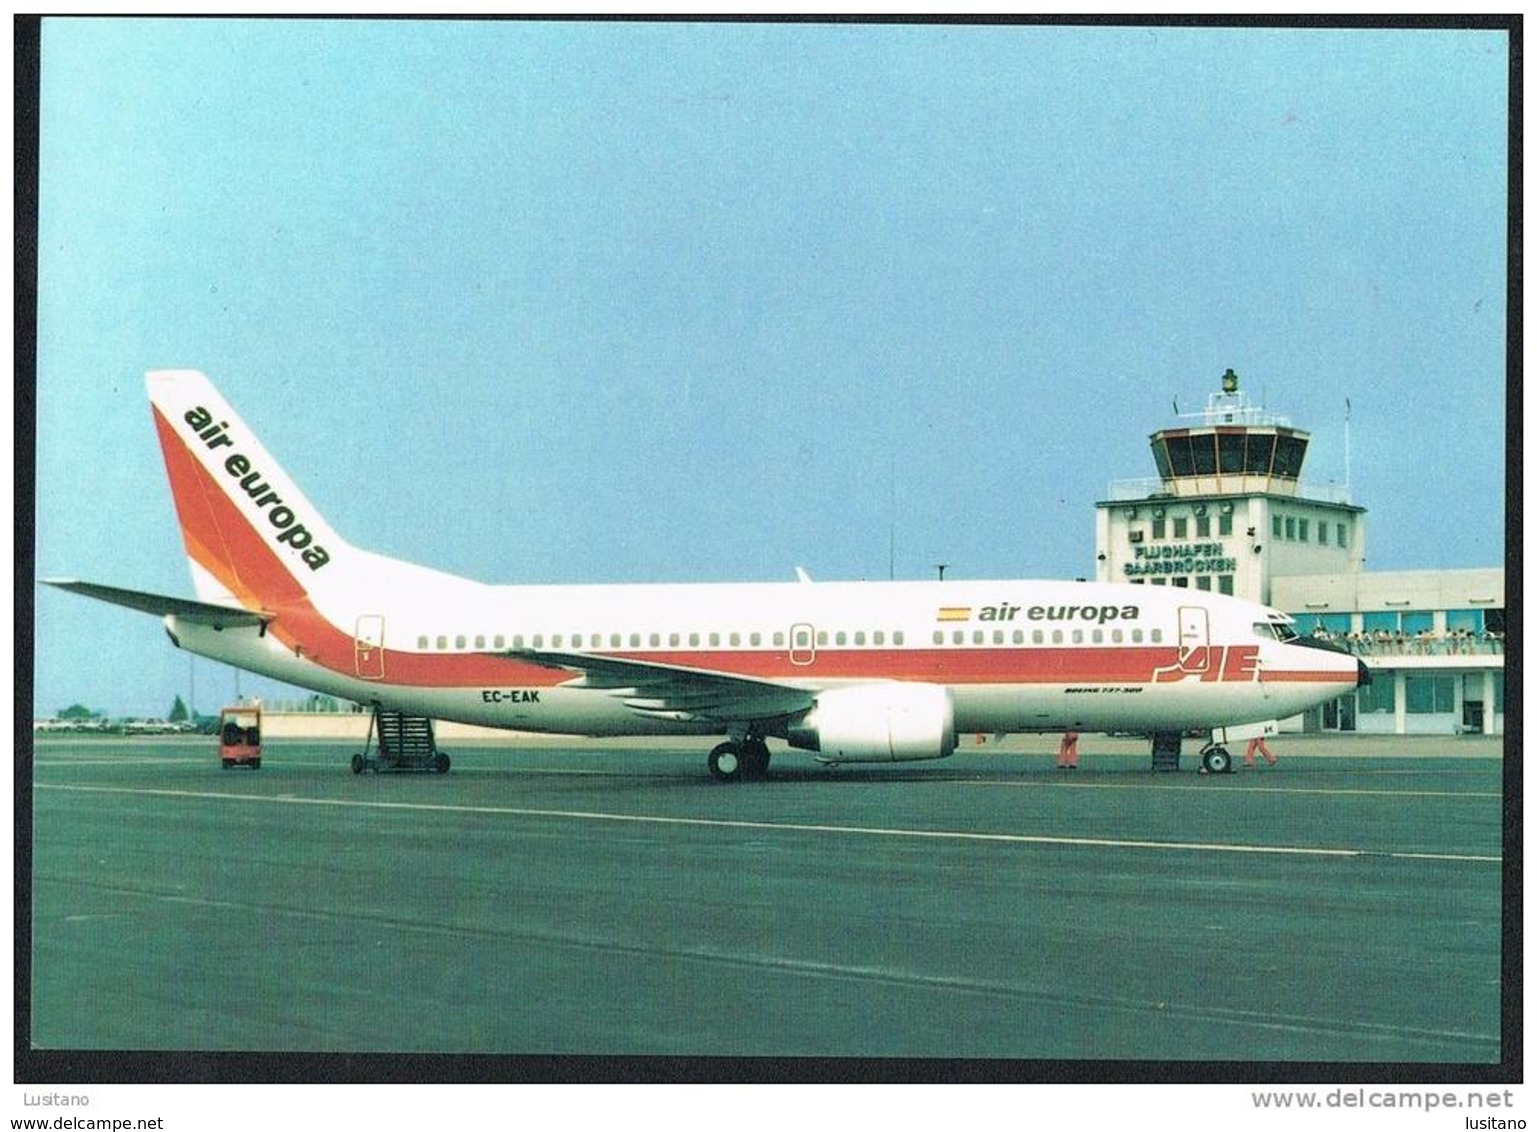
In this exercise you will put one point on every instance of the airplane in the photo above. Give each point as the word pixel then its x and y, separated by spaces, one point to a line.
pixel 854 672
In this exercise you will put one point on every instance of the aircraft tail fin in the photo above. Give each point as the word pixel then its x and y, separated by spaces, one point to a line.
pixel 252 539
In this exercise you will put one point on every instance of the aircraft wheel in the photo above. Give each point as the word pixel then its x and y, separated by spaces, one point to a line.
pixel 440 764
pixel 755 758
pixel 357 764
pixel 726 763
pixel 1216 760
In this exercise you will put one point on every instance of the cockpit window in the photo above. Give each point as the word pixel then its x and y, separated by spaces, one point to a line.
pixel 1275 630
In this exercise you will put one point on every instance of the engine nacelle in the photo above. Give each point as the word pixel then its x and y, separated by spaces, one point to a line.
pixel 878 723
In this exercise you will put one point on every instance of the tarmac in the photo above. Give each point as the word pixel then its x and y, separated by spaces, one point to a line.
pixel 606 899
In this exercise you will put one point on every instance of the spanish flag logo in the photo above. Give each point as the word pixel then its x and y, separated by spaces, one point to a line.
pixel 955 613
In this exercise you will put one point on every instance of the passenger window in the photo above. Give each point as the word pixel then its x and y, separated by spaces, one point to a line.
pixel 714 640
pixel 1136 636
pixel 977 636
pixel 736 640
pixel 656 640
pixel 615 640
pixel 779 640
pixel 556 640
pixel 501 641
pixel 1157 636
pixel 1077 636
pixel 822 638
pixel 1038 637
pixel 997 636
pixel 859 637
pixel 480 642
pixel 842 637
pixel 1056 636
pixel 673 640
pixel 1099 636
pixel 538 640
pixel 635 640
pixel 1019 636
pixel 896 638
pixel 576 640
pixel 442 642
pixel 517 641
pixel 693 640
pixel 421 642
pixel 755 640
pixel 958 637
pixel 1117 636
pixel 939 636
pixel 880 637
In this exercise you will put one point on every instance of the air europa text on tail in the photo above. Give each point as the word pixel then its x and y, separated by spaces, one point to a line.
pixel 290 531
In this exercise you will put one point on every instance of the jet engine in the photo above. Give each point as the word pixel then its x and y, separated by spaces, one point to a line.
pixel 887 722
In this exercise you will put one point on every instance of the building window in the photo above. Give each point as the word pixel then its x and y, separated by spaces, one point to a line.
pixel 1323 533
pixel 1291 527
pixel 1429 695
pixel 1302 529
pixel 1275 526
pixel 1203 526
pixel 1182 582
pixel 1224 524
pixel 1182 528
pixel 1203 582
pixel 1225 584
pixel 1159 527
pixel 1339 534
pixel 1376 698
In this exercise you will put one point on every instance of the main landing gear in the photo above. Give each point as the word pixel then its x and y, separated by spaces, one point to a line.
pixel 735 760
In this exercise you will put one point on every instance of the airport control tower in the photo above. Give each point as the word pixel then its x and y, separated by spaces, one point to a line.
pixel 1228 510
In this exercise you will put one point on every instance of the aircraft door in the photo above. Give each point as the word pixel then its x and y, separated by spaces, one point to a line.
pixel 369 644
pixel 803 644
pixel 1194 639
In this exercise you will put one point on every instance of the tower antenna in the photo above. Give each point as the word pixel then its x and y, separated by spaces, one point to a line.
pixel 1347 448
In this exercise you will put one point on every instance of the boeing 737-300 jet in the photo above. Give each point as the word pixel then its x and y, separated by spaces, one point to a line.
pixel 852 671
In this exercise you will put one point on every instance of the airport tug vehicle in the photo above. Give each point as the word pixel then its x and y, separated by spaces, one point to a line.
pixel 240 738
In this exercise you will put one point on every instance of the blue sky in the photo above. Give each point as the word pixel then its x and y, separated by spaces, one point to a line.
pixel 609 302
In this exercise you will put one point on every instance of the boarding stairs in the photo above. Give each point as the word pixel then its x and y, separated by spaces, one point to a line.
pixel 405 743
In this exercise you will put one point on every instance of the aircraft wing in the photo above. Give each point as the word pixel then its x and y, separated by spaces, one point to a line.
pixel 669 691
pixel 197 612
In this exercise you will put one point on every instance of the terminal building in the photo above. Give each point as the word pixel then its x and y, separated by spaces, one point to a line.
pixel 1229 512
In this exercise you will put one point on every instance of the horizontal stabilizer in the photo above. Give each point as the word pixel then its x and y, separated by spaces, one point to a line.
pixel 197 612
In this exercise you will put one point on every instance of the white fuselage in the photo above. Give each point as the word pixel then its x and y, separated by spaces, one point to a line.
pixel 1015 655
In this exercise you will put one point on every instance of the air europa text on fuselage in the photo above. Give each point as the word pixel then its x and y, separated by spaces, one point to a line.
pixel 290 531
pixel 1006 612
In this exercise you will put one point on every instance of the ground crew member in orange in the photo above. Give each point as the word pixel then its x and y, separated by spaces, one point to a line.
pixel 1067 754
pixel 1257 744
